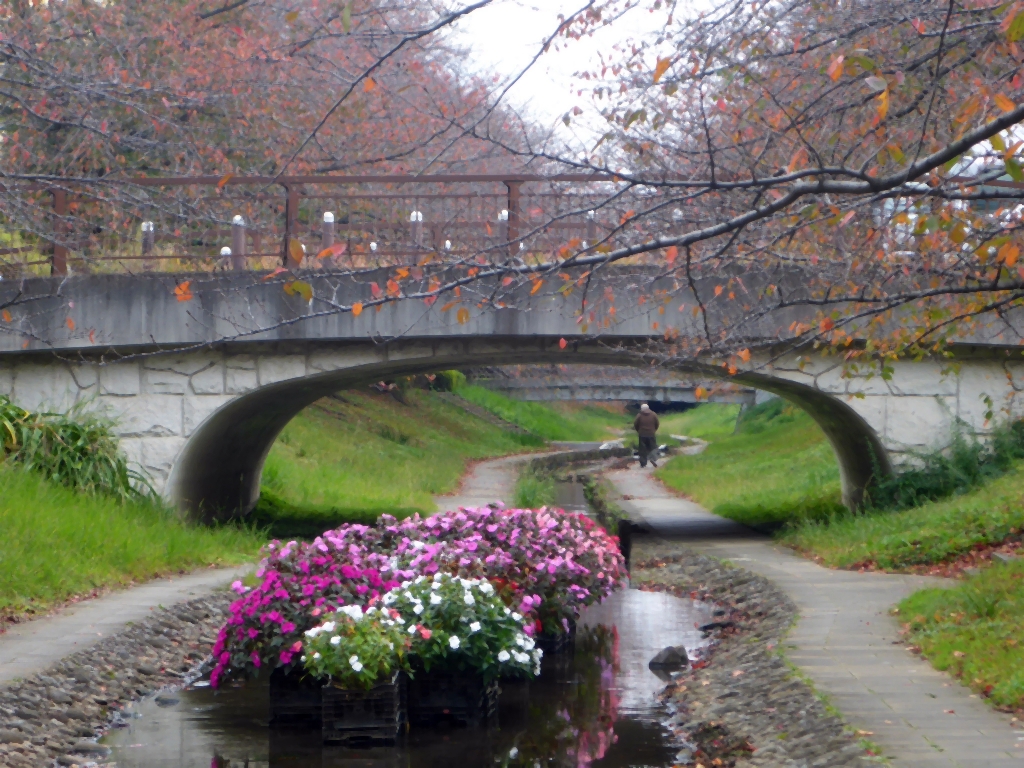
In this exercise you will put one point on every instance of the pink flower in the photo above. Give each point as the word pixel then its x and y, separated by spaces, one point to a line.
pixel 255 658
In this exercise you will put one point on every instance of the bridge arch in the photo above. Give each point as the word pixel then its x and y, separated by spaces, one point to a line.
pixel 219 465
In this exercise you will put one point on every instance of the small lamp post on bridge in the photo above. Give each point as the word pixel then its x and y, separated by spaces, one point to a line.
pixel 237 250
pixel 148 242
pixel 327 238
pixel 416 228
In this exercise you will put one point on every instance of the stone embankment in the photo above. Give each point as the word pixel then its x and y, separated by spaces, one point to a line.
pixel 741 704
pixel 56 714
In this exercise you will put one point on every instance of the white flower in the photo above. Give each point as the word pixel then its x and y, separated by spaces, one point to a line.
pixel 316 656
pixel 454 642
pixel 468 598
pixel 405 585
pixel 507 610
pixel 435 599
pixel 474 627
pixel 486 588
pixel 302 658
pixel 537 654
pixel 336 640
pixel 353 659
pixel 529 643
pixel 390 623
pixel 438 577
pixel 357 666
pixel 371 610
pixel 517 616
pixel 391 645
pixel 313 632
pixel 417 545
pixel 354 612
pixel 435 585
pixel 328 626
pixel 412 630
pixel 521 640
pixel 400 620
pixel 513 752
pixel 418 609
pixel 390 598
pixel 418 579
pixel 522 658
pixel 504 656
pixel 408 595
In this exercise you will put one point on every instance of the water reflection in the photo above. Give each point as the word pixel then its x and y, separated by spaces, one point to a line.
pixel 595 708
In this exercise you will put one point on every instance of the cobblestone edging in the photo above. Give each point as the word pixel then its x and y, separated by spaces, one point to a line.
pixel 55 715
pixel 742 704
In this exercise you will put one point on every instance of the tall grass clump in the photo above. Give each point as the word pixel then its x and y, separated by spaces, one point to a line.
pixel 965 465
pixel 77 450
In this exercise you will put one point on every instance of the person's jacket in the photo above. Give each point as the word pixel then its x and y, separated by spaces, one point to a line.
pixel 646 423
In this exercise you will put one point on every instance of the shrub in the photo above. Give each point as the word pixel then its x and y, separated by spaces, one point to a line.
pixel 965 465
pixel 75 449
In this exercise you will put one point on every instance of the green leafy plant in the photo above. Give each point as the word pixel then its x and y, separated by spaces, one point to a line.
pixel 75 449
pixel 461 625
pixel 357 650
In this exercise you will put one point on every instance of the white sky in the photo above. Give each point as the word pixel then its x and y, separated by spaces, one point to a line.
pixel 502 38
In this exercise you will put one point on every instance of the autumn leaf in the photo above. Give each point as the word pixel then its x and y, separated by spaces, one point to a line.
pixel 462 315
pixel 1013 168
pixel 275 273
pixel 700 393
pixel 506 281
pixel 661 68
pixel 448 306
pixel 368 85
pixel 334 250
pixel 70 324
pixel 798 160
pixel 375 290
pixel 224 180
pixel 744 355
pixel 402 273
pixel 300 288
pixel 346 18
pixel 295 250
pixel 959 233
pixel 1008 254
pixel 1004 103
pixel 291 17
pixel 826 325
pixel 671 254
pixel 883 104
pixel 184 291
pixel 1015 27
pixel 6 316
pixel 357 309
pixel 835 69
pixel 718 290
pixel 536 286
pixel 562 343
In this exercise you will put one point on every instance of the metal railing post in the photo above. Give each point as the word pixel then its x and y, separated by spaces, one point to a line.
pixel 327 238
pixel 416 228
pixel 237 243
pixel 148 243
pixel 59 263
pixel 512 235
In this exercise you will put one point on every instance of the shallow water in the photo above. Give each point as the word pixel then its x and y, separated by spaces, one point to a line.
pixel 596 707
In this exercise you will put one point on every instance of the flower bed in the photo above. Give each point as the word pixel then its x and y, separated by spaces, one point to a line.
pixel 458 593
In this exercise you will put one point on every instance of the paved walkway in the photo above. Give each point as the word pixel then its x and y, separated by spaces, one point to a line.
pixel 846 641
pixel 33 646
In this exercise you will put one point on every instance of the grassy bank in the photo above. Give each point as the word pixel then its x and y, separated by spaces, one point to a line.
pixel 57 542
pixel 551 421
pixel 935 532
pixel 774 468
pixel 975 631
pixel 358 455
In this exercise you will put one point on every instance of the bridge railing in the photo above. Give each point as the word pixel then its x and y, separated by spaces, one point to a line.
pixel 178 224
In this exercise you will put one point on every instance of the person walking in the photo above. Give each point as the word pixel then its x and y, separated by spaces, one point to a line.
pixel 646 425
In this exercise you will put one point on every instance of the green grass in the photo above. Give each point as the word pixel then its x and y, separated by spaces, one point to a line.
pixel 550 421
pixel 777 469
pixel 356 458
pixel 710 421
pixel 975 631
pixel 57 542
pixel 932 533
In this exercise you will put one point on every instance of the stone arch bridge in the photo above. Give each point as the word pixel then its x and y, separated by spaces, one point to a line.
pixel 200 389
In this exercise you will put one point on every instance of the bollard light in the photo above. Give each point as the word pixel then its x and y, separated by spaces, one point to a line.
pixel 147 226
pixel 238 221
pixel 503 216
pixel 373 246
pixel 447 245
pixel 416 216
pixel 591 214
pixel 225 251
pixel 328 217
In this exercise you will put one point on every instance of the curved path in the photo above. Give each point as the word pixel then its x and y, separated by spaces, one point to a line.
pixel 845 640
pixel 35 645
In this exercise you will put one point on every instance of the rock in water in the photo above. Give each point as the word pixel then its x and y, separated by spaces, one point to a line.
pixel 670 658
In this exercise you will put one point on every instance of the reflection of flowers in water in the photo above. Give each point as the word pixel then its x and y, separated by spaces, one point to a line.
pixel 576 727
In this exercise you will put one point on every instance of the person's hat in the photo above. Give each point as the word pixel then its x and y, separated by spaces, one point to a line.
pixel 645 407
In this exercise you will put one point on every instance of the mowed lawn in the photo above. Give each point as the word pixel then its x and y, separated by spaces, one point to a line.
pixel 56 543
pixel 775 469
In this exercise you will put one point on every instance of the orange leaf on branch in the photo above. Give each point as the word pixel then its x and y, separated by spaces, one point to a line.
pixel 334 250
pixel 536 286
pixel 661 68
pixel 183 291
pixel 835 69
pixel 462 315
pixel 357 309
pixel 7 316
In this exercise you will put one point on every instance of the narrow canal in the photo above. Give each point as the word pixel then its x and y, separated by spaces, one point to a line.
pixel 595 707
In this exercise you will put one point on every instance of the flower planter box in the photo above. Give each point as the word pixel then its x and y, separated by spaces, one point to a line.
pixel 554 644
pixel 460 698
pixel 364 718
pixel 295 702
